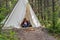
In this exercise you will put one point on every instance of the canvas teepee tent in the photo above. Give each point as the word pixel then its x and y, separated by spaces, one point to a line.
pixel 21 10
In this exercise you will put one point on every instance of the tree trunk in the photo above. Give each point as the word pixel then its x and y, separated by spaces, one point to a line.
pixel 53 9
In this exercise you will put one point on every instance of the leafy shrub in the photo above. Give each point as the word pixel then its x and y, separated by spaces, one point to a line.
pixel 3 13
pixel 56 29
pixel 8 35
pixel 1 17
pixel 58 26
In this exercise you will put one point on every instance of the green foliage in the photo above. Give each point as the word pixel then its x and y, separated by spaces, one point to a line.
pixel 8 35
pixel 48 13
pixel 56 29
pixel 1 17
pixel 55 22
pixel 58 26
pixel 3 13
pixel 5 9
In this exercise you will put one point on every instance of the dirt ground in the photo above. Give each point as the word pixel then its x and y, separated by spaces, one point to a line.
pixel 36 34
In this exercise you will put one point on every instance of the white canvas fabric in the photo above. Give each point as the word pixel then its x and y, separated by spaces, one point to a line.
pixel 18 14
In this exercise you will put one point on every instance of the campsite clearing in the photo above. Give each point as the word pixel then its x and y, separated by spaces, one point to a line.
pixel 36 34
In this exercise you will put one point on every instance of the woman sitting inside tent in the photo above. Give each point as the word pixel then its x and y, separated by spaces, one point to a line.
pixel 25 23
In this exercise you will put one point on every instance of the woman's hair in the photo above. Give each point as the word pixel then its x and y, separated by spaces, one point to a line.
pixel 24 19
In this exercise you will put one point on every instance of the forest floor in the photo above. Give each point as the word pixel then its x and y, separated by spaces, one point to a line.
pixel 35 34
